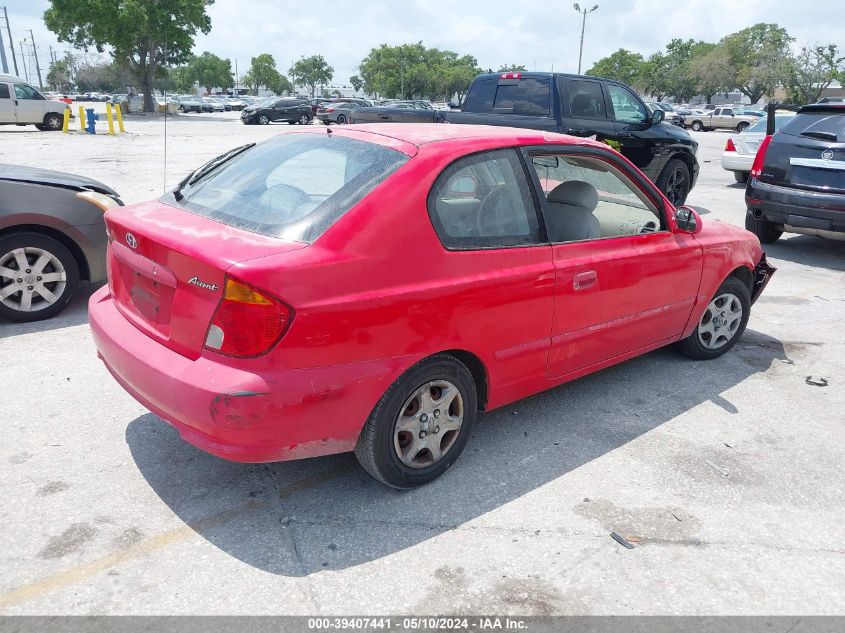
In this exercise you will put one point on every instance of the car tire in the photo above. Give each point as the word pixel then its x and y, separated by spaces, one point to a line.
pixel 303 119
pixel 53 122
pixel 341 119
pixel 709 341
pixel 401 457
pixel 60 263
pixel 741 176
pixel 742 125
pixel 697 126
pixel 263 120
pixel 765 230
pixel 674 181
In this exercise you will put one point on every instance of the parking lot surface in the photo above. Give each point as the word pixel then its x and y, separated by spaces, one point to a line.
pixel 728 475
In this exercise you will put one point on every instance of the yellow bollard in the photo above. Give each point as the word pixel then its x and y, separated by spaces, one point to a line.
pixel 81 119
pixel 118 110
pixel 66 120
pixel 109 117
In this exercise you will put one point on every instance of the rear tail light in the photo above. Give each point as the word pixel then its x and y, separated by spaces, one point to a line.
pixel 247 322
pixel 511 75
pixel 729 146
pixel 759 159
pixel 329 109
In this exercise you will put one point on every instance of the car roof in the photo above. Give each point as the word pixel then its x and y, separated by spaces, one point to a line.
pixel 402 135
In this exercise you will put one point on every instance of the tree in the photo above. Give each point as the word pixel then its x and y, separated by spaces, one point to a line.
pixel 511 68
pixel 760 54
pixel 210 71
pixel 713 72
pixel 311 71
pixel 812 70
pixel 147 36
pixel 62 73
pixel 652 79
pixel 356 82
pixel 623 65
pixel 262 72
pixel 281 85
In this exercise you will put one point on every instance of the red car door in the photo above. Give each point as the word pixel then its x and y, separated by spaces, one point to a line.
pixel 625 283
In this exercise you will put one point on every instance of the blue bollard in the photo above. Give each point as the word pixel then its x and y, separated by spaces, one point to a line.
pixel 92 117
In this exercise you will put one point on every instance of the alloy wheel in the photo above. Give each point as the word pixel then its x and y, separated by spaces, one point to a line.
pixel 720 322
pixel 31 279
pixel 428 424
pixel 676 186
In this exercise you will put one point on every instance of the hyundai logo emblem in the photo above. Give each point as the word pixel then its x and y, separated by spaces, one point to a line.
pixel 827 154
pixel 130 239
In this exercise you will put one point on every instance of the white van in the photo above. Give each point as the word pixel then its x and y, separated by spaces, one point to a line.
pixel 21 104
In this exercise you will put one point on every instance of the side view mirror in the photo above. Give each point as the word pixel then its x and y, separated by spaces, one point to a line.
pixel 657 116
pixel 687 220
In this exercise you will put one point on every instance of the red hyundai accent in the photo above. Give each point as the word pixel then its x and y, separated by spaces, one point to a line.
pixel 373 288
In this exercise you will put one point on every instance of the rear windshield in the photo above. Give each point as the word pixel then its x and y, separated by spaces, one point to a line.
pixel 294 186
pixel 825 122
pixel 761 125
pixel 530 96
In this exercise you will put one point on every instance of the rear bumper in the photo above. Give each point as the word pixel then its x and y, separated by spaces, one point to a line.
pixel 274 414
pixel 734 161
pixel 796 207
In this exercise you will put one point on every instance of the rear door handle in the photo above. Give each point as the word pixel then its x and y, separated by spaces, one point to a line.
pixel 581 281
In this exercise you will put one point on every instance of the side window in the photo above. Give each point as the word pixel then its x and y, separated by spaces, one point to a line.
pixel 483 201
pixel 481 95
pixel 523 96
pixel 626 107
pixel 4 91
pixel 590 198
pixel 586 100
pixel 727 112
pixel 24 91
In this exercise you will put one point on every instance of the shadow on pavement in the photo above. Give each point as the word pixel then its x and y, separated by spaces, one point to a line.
pixel 76 313
pixel 297 518
pixel 809 250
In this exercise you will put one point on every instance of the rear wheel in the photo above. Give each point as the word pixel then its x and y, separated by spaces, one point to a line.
pixel 52 122
pixel 722 323
pixel 765 230
pixel 741 176
pixel 341 119
pixel 38 276
pixel 674 181
pixel 742 125
pixel 420 425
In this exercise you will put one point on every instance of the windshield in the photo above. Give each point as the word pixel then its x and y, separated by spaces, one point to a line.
pixel 827 122
pixel 294 186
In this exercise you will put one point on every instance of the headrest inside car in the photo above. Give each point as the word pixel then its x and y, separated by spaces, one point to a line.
pixel 576 193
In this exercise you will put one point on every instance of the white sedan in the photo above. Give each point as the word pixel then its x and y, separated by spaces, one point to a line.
pixel 741 148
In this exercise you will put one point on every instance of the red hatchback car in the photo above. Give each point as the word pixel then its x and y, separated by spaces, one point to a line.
pixel 373 288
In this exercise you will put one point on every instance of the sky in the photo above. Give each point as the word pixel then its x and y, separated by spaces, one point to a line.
pixel 540 34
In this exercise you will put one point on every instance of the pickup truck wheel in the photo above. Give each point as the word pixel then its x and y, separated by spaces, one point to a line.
pixel 420 425
pixel 38 276
pixel 697 126
pixel 741 176
pixel 722 323
pixel 765 230
pixel 674 181
pixel 742 125
pixel 52 122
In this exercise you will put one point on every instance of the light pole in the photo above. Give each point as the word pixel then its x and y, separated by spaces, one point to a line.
pixel 584 11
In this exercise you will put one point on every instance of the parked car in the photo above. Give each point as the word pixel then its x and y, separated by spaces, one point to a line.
pixel 211 104
pixel 831 100
pixel 52 235
pixel 576 105
pixel 741 149
pixel 797 181
pixel 189 103
pixel 671 116
pixel 269 308
pixel 236 103
pixel 22 104
pixel 285 109
pixel 720 119
pixel 337 112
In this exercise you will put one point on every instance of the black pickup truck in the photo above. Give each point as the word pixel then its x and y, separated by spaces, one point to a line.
pixel 571 104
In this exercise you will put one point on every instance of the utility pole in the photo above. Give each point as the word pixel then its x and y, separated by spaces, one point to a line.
pixel 583 25
pixel 23 61
pixel 11 41
pixel 38 68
